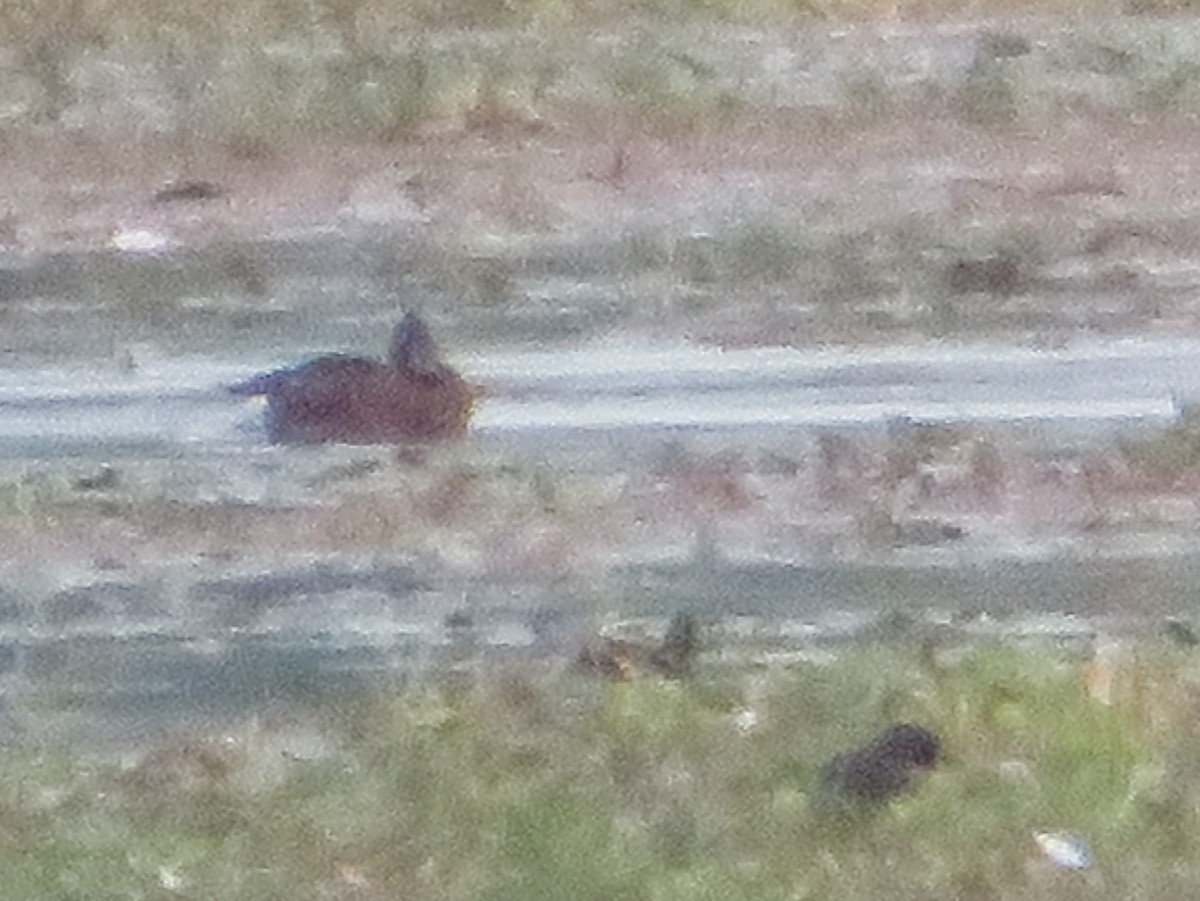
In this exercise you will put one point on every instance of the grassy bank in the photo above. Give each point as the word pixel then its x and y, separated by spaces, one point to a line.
pixel 781 178
pixel 525 785
pixel 255 79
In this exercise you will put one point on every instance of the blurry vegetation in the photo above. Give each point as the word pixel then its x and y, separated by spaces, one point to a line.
pixel 519 783
pixel 1170 455
pixel 529 82
pixel 767 252
pixel 255 76
pixel 495 514
pixel 672 89
pixel 988 96
pixel 1173 87
pixel 388 94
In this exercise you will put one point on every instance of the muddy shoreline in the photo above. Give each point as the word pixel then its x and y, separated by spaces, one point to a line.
pixel 1023 185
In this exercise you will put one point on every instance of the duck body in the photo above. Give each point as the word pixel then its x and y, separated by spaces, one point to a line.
pixel 888 767
pixel 411 398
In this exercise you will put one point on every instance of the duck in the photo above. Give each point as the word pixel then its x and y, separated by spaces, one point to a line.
pixel 412 397
pixel 623 661
pixel 878 772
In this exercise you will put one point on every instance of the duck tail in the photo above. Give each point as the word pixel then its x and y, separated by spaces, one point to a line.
pixel 256 386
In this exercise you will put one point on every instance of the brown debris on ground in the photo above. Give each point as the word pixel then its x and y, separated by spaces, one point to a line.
pixel 622 660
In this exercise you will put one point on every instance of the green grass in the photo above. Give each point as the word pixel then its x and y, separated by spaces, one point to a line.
pixel 525 785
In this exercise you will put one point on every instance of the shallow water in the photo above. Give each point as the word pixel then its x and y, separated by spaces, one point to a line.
pixel 132 652
pixel 175 406
pixel 126 651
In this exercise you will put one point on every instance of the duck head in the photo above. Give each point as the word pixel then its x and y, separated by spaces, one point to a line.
pixel 413 347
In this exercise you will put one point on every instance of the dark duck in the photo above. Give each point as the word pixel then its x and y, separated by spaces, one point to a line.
pixel 874 774
pixel 411 398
